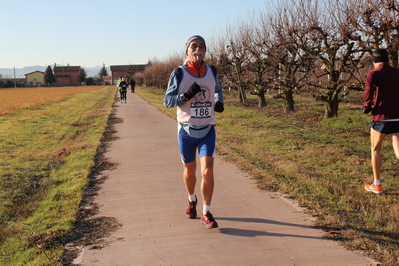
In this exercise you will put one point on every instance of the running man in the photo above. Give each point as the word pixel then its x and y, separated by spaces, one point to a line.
pixel 381 95
pixel 195 90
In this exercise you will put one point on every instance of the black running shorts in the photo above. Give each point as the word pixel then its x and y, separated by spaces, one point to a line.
pixel 385 127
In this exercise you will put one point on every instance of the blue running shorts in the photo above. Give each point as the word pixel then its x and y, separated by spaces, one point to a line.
pixel 385 127
pixel 188 145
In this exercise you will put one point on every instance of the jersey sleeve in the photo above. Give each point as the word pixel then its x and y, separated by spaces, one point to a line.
pixel 218 90
pixel 171 98
pixel 369 91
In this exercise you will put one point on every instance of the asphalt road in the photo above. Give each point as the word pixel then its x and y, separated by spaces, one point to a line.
pixel 145 193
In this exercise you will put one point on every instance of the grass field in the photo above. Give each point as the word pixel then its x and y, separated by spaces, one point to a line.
pixel 48 141
pixel 322 164
pixel 12 100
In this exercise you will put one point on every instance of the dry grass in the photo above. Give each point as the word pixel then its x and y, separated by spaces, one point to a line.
pixel 46 156
pixel 14 99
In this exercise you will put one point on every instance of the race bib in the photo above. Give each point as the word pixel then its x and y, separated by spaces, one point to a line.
pixel 201 109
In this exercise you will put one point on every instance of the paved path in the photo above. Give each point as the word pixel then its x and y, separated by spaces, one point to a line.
pixel 146 194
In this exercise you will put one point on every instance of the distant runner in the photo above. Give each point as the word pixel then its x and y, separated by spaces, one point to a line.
pixel 132 85
pixel 123 90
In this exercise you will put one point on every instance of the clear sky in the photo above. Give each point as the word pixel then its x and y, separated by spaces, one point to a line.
pixel 89 33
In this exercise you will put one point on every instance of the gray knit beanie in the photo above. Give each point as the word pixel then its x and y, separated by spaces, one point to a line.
pixel 192 38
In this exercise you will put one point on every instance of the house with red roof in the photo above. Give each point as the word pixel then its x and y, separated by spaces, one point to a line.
pixel 66 75
pixel 120 71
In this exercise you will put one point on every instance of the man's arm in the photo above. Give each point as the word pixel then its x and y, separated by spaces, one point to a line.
pixel 218 87
pixel 219 103
pixel 172 99
pixel 369 90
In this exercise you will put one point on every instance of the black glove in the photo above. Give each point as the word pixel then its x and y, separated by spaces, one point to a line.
pixel 366 111
pixel 219 107
pixel 192 91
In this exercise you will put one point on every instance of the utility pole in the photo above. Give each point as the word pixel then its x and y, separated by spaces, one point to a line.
pixel 15 79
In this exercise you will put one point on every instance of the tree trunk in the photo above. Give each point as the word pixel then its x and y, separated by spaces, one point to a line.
pixel 241 95
pixel 262 99
pixel 289 102
pixel 332 107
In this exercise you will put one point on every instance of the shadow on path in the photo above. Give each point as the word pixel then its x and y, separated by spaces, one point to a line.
pixel 264 221
pixel 254 233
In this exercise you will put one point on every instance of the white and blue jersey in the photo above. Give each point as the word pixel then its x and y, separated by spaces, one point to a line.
pixel 198 111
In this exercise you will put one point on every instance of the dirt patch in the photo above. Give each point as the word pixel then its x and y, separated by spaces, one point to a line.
pixel 91 231
pixel 45 240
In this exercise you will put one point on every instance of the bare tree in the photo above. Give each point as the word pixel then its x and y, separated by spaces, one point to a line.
pixel 158 72
pixel 232 63
pixel 331 40
pixel 378 23
pixel 282 34
pixel 259 65
pixel 139 79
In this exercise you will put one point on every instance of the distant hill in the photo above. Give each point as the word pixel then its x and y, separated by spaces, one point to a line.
pixel 20 72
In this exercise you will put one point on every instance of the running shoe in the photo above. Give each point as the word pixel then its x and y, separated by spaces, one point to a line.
pixel 372 188
pixel 208 220
pixel 191 211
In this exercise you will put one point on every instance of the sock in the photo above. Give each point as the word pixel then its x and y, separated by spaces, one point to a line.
pixel 206 208
pixel 192 198
pixel 377 182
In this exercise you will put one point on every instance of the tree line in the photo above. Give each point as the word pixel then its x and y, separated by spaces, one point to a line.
pixel 319 46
